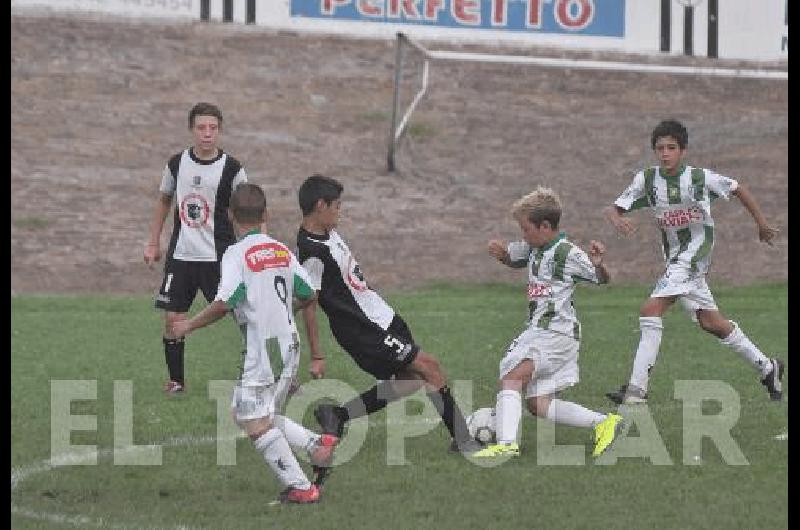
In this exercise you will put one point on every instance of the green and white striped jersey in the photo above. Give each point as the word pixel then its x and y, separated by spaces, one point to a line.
pixel 553 272
pixel 682 208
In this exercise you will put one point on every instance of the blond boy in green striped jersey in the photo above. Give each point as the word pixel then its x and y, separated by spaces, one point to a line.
pixel 543 360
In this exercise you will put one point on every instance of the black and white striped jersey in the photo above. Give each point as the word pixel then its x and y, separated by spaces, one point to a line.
pixel 202 191
pixel 344 294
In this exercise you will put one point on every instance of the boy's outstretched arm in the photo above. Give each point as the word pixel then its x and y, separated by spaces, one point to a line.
pixel 210 314
pixel 514 255
pixel 498 249
pixel 766 233
pixel 623 225
pixel 596 252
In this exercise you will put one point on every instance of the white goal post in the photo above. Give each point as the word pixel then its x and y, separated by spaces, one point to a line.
pixel 403 42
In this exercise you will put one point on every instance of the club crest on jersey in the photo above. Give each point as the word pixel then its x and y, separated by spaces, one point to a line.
pixel 679 217
pixel 355 277
pixel 266 256
pixel 196 181
pixel 539 290
pixel 194 210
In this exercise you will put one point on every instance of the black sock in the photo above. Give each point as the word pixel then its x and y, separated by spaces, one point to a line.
pixel 370 401
pixel 450 413
pixel 173 353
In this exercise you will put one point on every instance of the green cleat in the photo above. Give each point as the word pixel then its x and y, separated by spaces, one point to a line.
pixel 606 432
pixel 497 450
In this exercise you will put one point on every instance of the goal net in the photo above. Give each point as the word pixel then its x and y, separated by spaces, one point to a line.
pixel 414 63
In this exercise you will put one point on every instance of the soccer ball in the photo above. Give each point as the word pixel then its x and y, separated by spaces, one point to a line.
pixel 481 425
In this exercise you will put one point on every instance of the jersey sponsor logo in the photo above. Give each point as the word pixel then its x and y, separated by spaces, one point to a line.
pixel 539 290
pixel 194 210
pixel 266 256
pixel 679 217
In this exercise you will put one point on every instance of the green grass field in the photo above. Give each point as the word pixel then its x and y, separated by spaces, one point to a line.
pixel 107 339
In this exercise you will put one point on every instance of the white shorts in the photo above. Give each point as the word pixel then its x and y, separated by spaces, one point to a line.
pixel 253 400
pixel 554 356
pixel 256 402
pixel 691 288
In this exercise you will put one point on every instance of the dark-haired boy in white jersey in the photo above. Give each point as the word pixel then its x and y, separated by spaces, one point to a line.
pixel 364 325
pixel 200 179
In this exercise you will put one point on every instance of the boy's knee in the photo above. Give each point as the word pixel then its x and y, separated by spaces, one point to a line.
pixel 714 323
pixel 649 310
pixel 170 319
pixel 428 368
pixel 428 363
pixel 255 429
pixel 538 407
pixel 514 381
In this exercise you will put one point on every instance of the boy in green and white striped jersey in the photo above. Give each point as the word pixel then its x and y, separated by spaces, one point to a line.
pixel 543 359
pixel 680 198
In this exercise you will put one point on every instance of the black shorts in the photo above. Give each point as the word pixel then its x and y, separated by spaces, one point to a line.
pixel 379 352
pixel 182 279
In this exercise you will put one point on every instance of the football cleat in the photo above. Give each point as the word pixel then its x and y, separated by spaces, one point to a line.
pixel 497 450
pixel 606 432
pixel 331 419
pixel 298 496
pixel 173 387
pixel 321 474
pixel 628 395
pixel 468 447
pixel 773 380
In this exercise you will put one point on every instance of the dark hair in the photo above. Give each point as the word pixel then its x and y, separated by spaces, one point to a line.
pixel 318 187
pixel 672 128
pixel 248 203
pixel 204 109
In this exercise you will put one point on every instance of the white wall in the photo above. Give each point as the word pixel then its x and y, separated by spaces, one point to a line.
pixel 138 8
pixel 748 29
pixel 755 31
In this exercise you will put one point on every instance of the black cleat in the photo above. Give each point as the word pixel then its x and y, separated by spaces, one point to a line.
pixel 331 419
pixel 626 396
pixel 321 474
pixel 467 447
pixel 773 380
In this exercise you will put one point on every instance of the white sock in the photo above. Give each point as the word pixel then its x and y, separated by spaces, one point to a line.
pixel 569 413
pixel 508 413
pixel 739 343
pixel 275 449
pixel 647 352
pixel 298 436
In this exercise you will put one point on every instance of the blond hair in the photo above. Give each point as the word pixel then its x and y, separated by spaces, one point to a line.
pixel 542 204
